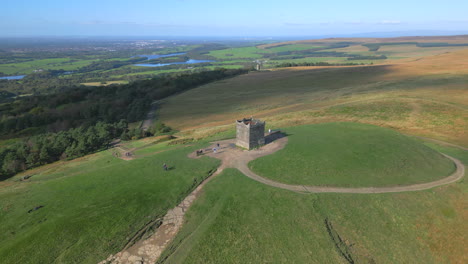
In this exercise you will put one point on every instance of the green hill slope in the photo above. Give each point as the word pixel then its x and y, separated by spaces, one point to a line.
pixel 354 155
pixel 92 206
pixel 238 220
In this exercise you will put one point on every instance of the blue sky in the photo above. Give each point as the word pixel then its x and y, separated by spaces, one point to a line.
pixel 228 18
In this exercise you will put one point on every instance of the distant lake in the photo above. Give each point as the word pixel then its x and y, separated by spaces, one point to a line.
pixel 152 57
pixel 17 77
pixel 172 63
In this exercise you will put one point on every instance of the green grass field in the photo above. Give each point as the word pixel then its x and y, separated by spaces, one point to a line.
pixel 44 64
pixel 236 53
pixel 243 55
pixel 238 220
pixel 92 206
pixel 352 155
pixel 95 204
pixel 293 47
pixel 393 52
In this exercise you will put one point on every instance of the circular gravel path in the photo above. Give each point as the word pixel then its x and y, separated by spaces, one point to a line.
pixel 233 157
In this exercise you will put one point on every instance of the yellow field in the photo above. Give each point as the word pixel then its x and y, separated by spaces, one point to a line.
pixel 447 39
pixel 105 84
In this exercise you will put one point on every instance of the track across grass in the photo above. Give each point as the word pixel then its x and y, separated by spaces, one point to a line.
pixel 352 155
pixel 237 220
pixel 91 206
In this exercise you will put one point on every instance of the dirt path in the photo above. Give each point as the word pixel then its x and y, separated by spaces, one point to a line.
pixel 149 250
pixel 146 124
pixel 440 142
pixel 236 158
pixel 122 152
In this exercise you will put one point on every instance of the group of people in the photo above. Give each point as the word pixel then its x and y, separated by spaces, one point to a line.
pixel 216 148
pixel 199 152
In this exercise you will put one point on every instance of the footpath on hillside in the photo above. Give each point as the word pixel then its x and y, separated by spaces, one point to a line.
pixel 149 250
pixel 233 157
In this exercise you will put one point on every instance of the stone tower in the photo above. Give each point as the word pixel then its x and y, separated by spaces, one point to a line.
pixel 250 133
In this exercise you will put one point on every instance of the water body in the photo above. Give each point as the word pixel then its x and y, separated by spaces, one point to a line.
pixel 17 77
pixel 172 63
pixel 152 57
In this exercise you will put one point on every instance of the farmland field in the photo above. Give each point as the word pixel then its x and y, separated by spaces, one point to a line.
pixel 236 53
pixel 333 51
pixel 44 64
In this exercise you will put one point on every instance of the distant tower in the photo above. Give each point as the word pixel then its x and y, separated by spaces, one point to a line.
pixel 259 64
pixel 250 133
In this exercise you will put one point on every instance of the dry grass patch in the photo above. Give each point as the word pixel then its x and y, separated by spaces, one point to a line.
pixel 433 92
pixel 104 83
pixel 448 64
pixel 446 39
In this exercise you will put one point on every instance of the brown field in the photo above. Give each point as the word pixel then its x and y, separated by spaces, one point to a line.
pixel 426 96
pixel 425 39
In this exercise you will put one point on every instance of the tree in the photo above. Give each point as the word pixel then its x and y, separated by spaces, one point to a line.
pixel 44 156
pixel 11 163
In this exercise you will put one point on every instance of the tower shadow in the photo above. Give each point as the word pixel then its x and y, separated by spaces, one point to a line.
pixel 275 135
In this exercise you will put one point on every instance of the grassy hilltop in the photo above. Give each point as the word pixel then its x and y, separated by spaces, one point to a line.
pixel 352 155
pixel 93 206
pixel 238 220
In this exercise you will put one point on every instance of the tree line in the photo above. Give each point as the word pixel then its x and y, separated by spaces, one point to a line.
pixel 46 148
pixel 87 105
pixel 83 120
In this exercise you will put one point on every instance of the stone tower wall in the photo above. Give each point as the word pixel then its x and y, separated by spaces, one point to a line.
pixel 250 135
pixel 257 135
pixel 242 135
